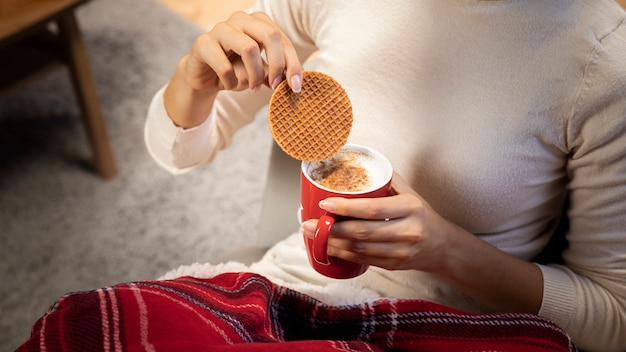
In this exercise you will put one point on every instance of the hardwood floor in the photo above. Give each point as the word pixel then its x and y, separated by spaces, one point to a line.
pixel 206 13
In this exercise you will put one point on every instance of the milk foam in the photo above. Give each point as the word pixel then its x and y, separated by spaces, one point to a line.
pixel 377 170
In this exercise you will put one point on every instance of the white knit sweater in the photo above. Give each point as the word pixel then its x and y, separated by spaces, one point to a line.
pixel 493 110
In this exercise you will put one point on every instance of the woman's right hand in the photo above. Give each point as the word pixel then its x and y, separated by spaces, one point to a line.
pixel 230 56
pixel 244 52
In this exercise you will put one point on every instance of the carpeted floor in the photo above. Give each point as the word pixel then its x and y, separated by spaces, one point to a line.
pixel 63 228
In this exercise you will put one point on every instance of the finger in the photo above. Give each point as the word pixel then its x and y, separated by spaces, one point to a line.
pixel 274 46
pixel 208 55
pixel 391 207
pixel 281 55
pixel 308 228
pixel 278 49
pixel 363 249
pixel 220 50
pixel 234 39
pixel 242 77
pixel 294 68
pixel 370 230
pixel 380 254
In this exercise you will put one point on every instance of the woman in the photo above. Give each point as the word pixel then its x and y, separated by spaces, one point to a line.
pixel 493 113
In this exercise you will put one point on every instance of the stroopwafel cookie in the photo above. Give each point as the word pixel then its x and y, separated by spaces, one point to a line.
pixel 314 124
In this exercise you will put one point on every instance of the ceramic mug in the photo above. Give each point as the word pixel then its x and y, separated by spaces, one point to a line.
pixel 356 171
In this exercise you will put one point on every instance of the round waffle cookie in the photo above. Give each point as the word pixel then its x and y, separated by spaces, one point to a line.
pixel 314 124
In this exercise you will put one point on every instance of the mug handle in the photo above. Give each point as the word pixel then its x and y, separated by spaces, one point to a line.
pixel 320 241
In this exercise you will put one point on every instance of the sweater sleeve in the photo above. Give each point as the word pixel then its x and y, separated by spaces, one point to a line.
pixel 174 148
pixel 587 295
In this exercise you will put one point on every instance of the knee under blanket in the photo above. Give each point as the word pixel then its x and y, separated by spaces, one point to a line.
pixel 247 312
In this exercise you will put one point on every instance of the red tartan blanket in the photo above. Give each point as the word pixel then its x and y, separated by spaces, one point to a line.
pixel 247 312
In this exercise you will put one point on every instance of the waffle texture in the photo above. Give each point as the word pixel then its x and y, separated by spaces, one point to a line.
pixel 314 124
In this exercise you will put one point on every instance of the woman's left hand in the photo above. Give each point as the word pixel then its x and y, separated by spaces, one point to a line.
pixel 401 231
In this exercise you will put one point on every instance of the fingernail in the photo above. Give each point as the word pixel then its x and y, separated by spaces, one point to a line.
pixel 328 206
pixel 308 226
pixel 256 88
pixel 296 83
pixel 276 82
pixel 308 229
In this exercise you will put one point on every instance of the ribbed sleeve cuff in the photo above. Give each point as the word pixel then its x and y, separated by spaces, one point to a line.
pixel 174 148
pixel 558 295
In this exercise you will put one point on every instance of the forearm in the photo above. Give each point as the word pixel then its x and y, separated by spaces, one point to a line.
pixel 494 278
pixel 186 106
pixel 414 236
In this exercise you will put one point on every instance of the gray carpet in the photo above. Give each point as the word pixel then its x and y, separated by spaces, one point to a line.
pixel 62 227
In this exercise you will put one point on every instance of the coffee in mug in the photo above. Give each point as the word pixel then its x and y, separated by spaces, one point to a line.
pixel 349 171
pixel 354 172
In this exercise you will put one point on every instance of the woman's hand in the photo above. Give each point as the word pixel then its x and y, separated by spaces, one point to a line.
pixel 230 56
pixel 401 231
pixel 244 52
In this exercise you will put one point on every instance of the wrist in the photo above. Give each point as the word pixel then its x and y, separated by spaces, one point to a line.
pixel 494 278
pixel 454 252
pixel 186 106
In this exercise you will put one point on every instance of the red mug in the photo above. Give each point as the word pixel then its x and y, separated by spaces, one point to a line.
pixel 315 187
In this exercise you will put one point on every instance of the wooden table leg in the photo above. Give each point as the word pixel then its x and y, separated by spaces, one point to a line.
pixel 85 89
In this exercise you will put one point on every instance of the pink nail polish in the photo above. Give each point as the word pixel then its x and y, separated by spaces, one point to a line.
pixel 328 206
pixel 308 229
pixel 308 226
pixel 276 82
pixel 296 83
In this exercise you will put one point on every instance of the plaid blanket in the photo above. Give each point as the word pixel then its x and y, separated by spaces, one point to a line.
pixel 247 312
